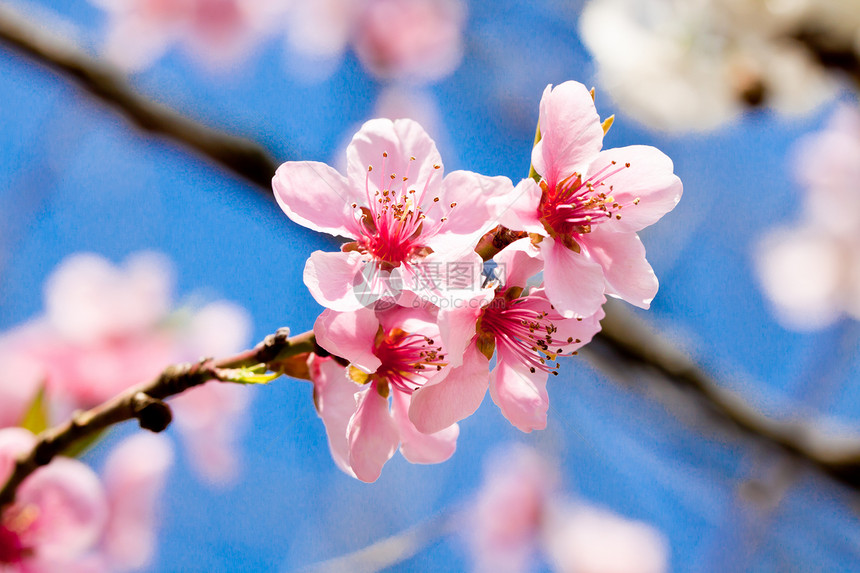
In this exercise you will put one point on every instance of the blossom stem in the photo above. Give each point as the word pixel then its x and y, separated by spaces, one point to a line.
pixel 145 402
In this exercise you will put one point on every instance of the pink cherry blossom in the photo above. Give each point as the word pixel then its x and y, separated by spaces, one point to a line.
pixel 391 353
pixel 395 205
pixel 527 335
pixel 409 40
pixel 65 519
pixel 216 32
pixel 589 204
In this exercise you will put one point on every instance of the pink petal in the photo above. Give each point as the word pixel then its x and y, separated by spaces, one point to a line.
pixel 335 400
pixel 134 478
pixel 452 397
pixel 649 178
pixel 331 279
pixel 72 509
pixel 518 262
pixel 13 441
pixel 418 447
pixel 349 335
pixel 316 196
pixel 520 394
pixel 592 540
pixel 574 283
pixel 400 140
pixel 571 133
pixel 372 434
pixel 211 422
pixel 627 272
pixel 457 326
pixel 519 210
pixel 476 198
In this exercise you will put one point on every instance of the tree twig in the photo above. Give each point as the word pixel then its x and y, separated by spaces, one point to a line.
pixel 145 402
pixel 241 156
pixel 628 341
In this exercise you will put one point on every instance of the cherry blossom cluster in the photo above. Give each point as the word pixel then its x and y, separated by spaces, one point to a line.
pixel 810 269
pixel 413 40
pixel 453 284
pixel 107 328
pixel 68 518
pixel 520 518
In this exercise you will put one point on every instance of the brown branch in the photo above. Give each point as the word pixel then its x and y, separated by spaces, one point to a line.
pixel 239 155
pixel 626 345
pixel 145 402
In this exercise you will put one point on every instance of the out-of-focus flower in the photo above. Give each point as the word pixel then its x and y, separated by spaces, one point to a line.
pixel 391 353
pixel 508 513
pixel 216 32
pixel 397 208
pixel 590 540
pixel 408 40
pixel 65 519
pixel 679 65
pixel 526 335
pixel 811 270
pixel 584 214
pixel 519 516
pixel 107 328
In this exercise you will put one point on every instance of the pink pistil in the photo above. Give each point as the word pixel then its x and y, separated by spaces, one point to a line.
pixel 407 359
pixel 572 206
pixel 525 332
pixel 393 226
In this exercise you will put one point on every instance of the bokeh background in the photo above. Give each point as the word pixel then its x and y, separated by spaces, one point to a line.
pixel 76 176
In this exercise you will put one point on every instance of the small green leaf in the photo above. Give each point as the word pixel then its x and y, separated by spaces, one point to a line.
pixel 36 417
pixel 249 375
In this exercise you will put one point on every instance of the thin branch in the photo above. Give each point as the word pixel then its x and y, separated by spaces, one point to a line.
pixel 145 402
pixel 239 155
pixel 628 345
pixel 625 345
pixel 388 552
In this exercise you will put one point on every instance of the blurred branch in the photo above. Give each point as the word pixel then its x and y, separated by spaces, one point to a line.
pixel 145 402
pixel 831 52
pixel 387 552
pixel 627 344
pixel 238 155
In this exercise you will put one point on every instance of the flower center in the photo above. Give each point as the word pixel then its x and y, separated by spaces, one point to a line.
pixel 525 332
pixel 408 360
pixel 15 521
pixel 393 227
pixel 572 206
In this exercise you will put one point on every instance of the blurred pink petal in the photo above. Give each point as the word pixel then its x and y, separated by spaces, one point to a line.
pixel 134 477
pixel 589 540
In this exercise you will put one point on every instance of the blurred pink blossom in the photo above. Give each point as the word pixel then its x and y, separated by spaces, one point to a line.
pixel 65 519
pixel 107 328
pixel 391 353
pixel 520 516
pixel 408 40
pixel 811 269
pixel 215 32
